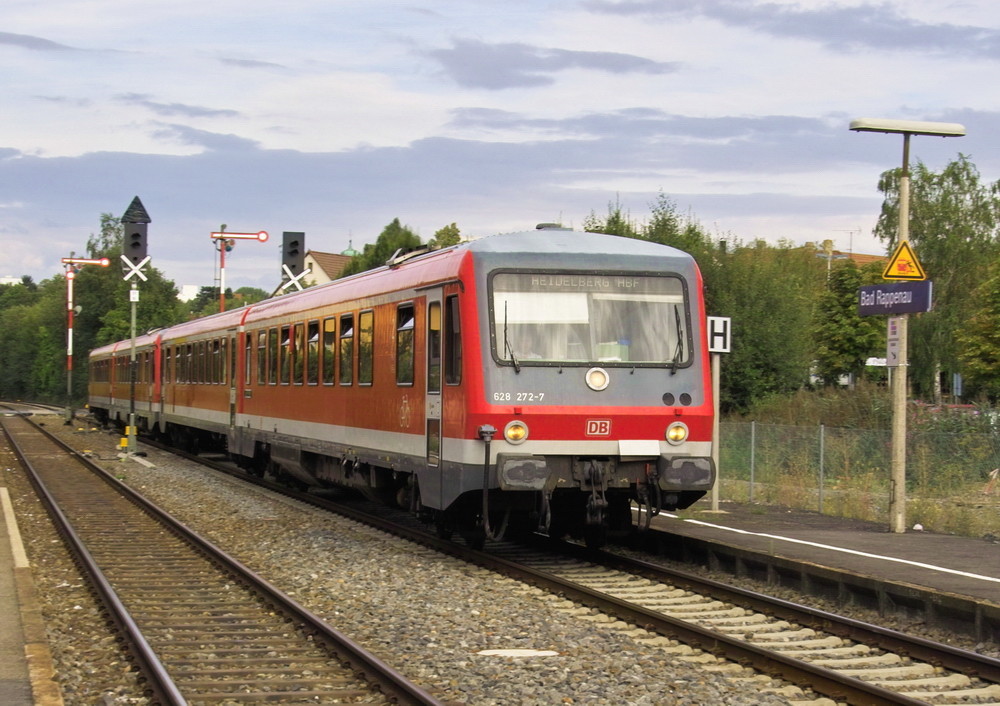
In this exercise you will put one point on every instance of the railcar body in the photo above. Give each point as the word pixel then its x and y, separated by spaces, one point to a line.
pixel 537 379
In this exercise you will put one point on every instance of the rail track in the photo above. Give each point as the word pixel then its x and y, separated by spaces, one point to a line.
pixel 201 627
pixel 843 659
pixel 838 657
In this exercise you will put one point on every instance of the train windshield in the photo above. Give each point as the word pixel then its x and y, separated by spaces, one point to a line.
pixel 577 318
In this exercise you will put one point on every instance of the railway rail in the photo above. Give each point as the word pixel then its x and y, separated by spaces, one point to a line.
pixel 202 627
pixel 832 655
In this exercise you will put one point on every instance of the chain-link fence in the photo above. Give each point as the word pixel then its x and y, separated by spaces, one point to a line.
pixel 846 472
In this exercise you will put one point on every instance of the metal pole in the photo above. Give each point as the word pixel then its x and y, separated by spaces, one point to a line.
pixel 822 444
pixel 130 448
pixel 753 455
pixel 716 360
pixel 69 342
pixel 222 275
pixel 897 498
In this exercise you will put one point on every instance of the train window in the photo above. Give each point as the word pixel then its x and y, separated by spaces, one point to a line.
pixel 286 358
pixel 262 357
pixel 573 318
pixel 329 351
pixel 312 367
pixel 167 359
pixel 366 349
pixel 434 347
pixel 231 359
pixel 247 358
pixel 188 362
pixel 346 349
pixel 404 344
pixel 298 353
pixel 218 358
pixel 453 342
pixel 272 356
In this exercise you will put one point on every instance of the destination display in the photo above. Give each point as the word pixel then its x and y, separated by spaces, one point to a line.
pixel 896 298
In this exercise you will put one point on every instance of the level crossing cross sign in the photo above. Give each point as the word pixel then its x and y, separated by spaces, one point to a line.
pixel 903 264
pixel 294 279
pixel 135 270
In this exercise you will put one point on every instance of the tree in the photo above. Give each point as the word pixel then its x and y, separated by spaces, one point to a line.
pixel 205 302
pixel 617 222
pixel 770 294
pixel 33 363
pixel 843 339
pixel 394 237
pixel 953 230
pixel 979 339
pixel 668 227
pixel 17 353
pixel 446 237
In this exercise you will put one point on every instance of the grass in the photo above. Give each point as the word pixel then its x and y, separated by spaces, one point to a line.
pixel 950 454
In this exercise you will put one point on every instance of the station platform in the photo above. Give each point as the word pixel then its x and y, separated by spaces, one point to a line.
pixel 946 573
pixel 26 669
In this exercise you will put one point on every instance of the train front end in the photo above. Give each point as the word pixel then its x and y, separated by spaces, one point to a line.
pixel 596 397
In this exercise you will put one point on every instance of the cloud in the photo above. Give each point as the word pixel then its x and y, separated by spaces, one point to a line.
pixel 27 41
pixel 210 141
pixel 475 64
pixel 251 64
pixel 838 27
pixel 175 109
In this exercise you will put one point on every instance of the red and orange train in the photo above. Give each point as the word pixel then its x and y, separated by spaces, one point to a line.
pixel 543 379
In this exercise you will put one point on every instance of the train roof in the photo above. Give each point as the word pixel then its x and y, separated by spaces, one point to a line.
pixel 564 241
pixel 544 246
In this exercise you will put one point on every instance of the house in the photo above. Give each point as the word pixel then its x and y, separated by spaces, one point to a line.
pixel 327 266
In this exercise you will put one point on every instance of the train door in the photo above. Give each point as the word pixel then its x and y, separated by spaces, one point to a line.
pixel 230 375
pixel 159 364
pixel 432 404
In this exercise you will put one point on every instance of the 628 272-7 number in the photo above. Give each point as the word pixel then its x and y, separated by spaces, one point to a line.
pixel 518 396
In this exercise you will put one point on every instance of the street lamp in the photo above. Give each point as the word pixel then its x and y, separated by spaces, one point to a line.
pixel 72 263
pixel 222 242
pixel 906 128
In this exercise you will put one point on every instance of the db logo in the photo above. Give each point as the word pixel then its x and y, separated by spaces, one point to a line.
pixel 598 427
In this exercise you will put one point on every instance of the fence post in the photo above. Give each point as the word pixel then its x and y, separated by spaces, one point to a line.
pixel 753 451
pixel 822 439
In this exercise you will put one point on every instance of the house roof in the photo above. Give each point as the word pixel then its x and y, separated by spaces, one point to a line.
pixel 331 263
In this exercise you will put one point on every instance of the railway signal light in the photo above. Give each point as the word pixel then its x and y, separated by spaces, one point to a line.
pixel 135 221
pixel 293 252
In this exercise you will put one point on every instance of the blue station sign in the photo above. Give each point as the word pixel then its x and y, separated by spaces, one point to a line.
pixel 897 298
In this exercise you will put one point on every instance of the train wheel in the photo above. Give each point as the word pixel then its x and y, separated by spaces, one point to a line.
pixel 595 536
pixel 475 537
pixel 444 529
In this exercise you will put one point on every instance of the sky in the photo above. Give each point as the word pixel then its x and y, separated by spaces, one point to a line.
pixel 334 117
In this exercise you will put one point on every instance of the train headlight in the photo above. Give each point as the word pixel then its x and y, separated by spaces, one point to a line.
pixel 515 432
pixel 597 379
pixel 677 432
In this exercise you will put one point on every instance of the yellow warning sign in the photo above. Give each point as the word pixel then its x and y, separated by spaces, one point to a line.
pixel 904 264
